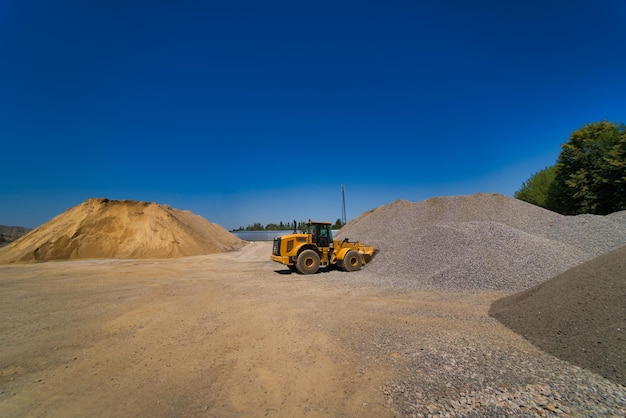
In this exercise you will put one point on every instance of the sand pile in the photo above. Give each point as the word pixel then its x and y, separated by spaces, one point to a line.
pixel 102 228
pixel 478 242
pixel 578 316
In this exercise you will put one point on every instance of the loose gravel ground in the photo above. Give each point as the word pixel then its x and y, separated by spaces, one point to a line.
pixel 472 369
pixel 489 242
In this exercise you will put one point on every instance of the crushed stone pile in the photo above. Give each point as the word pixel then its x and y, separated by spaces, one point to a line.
pixel 578 316
pixel 103 228
pixel 478 242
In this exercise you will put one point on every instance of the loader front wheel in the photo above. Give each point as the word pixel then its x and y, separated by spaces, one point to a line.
pixel 352 261
pixel 308 262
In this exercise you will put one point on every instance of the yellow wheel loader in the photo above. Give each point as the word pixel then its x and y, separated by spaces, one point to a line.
pixel 305 252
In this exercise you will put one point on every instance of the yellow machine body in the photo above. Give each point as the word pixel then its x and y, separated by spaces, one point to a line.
pixel 306 252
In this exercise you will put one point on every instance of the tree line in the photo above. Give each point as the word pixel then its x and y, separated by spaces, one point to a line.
pixel 282 226
pixel 589 175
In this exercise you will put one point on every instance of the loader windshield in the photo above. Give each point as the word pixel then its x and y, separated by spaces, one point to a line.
pixel 322 235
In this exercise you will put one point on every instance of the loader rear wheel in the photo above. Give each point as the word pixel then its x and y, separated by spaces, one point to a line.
pixel 308 262
pixel 352 261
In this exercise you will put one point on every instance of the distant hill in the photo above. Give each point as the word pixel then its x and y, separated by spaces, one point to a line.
pixel 103 228
pixel 11 233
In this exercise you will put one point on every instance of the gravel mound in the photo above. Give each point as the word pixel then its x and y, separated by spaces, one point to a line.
pixel 478 242
pixel 569 272
pixel 578 316
pixel 103 228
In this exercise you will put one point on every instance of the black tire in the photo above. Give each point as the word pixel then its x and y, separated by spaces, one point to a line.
pixel 308 262
pixel 352 261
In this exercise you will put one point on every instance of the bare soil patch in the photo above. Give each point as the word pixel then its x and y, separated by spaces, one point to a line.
pixel 234 334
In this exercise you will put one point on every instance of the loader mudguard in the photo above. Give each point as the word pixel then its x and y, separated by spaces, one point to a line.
pixel 341 253
pixel 307 247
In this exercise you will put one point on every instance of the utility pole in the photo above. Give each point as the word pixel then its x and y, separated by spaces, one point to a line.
pixel 343 205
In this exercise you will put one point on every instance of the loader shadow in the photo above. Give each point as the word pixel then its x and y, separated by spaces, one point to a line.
pixel 295 273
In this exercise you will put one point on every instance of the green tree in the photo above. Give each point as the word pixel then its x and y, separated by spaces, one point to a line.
pixel 255 227
pixel 591 171
pixel 337 225
pixel 536 189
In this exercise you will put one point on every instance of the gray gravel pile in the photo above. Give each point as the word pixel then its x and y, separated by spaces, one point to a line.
pixel 478 242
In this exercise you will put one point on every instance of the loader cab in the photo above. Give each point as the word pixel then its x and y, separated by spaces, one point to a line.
pixel 321 234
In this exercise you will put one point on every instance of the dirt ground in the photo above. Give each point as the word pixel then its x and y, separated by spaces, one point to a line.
pixel 223 335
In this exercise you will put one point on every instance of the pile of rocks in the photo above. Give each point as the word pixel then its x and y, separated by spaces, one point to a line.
pixel 478 242
pixel 569 275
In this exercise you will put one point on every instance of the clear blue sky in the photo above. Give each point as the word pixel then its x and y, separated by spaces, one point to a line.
pixel 249 111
